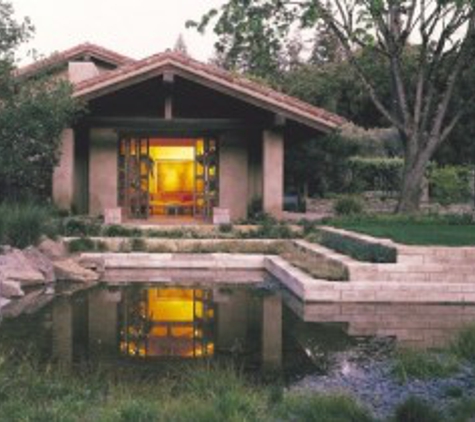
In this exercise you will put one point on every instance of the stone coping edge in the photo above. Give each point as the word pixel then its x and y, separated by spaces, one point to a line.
pixel 299 283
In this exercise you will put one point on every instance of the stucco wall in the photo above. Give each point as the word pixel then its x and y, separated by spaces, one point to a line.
pixel 102 170
pixel 233 174
pixel 63 175
pixel 255 167
pixel 273 172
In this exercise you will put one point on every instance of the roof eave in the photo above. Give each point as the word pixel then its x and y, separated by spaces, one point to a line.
pixel 122 80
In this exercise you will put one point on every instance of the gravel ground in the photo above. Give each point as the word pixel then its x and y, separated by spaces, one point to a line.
pixel 366 373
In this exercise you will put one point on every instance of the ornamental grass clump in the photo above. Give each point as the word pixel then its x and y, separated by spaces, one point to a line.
pixel 423 364
pixel 415 409
pixel 316 407
pixel 464 343
pixel 22 224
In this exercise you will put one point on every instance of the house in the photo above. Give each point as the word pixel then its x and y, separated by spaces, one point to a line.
pixel 171 136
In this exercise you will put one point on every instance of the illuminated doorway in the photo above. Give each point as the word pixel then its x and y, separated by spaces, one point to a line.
pixel 168 177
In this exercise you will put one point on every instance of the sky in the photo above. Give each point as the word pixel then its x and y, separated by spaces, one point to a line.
pixel 136 28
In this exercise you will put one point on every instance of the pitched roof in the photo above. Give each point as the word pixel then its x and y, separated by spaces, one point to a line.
pixel 213 77
pixel 79 51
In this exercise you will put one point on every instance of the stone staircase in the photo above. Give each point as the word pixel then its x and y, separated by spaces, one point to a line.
pixel 420 264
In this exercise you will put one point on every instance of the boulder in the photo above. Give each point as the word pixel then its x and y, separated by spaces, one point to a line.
pixel 40 262
pixel 52 249
pixel 3 302
pixel 29 304
pixel 70 270
pixel 15 266
pixel 11 289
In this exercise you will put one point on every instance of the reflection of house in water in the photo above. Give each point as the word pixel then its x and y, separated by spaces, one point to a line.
pixel 140 323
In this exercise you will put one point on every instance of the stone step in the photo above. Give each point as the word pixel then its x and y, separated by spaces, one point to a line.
pixel 408 268
pixel 435 259
pixel 447 277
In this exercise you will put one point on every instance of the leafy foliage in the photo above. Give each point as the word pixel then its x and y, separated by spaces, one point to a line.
pixel 33 114
pixel 464 344
pixel 22 225
pixel 348 205
pixel 416 410
pixel 418 94
pixel 357 248
pixel 449 184
pixel 383 174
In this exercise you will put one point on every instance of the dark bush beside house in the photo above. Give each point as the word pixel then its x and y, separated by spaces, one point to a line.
pixel 357 248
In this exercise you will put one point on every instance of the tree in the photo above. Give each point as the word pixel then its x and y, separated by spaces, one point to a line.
pixel 33 114
pixel 180 46
pixel 423 107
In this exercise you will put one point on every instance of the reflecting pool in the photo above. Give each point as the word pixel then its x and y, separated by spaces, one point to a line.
pixel 257 326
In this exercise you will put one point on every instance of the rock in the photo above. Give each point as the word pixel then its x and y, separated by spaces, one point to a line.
pixel 11 289
pixel 15 266
pixel 41 263
pixel 29 304
pixel 53 250
pixel 70 270
pixel 3 302
pixel 93 263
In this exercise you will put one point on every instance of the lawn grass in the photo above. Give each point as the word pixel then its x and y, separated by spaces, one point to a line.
pixel 413 231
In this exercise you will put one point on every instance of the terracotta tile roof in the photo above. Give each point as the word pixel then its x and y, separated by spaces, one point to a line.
pixel 80 50
pixel 205 73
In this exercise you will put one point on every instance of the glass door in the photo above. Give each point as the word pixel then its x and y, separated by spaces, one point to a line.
pixel 134 170
pixel 206 177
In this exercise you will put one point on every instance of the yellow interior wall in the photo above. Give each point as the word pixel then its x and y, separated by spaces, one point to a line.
pixel 173 169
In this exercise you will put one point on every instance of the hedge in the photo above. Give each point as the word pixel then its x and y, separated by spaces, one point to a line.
pixel 382 174
pixel 358 249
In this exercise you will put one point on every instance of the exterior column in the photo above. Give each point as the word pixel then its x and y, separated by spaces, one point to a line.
pixel 273 172
pixel 103 323
pixel 63 174
pixel 103 155
pixel 272 332
pixel 233 174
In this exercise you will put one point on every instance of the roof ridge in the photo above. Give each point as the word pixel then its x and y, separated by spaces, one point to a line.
pixel 211 70
pixel 57 57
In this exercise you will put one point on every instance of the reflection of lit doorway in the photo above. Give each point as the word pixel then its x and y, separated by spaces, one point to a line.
pixel 167 322
pixel 168 177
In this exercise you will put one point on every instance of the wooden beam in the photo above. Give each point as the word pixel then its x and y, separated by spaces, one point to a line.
pixel 168 83
pixel 167 125
pixel 168 78
pixel 279 121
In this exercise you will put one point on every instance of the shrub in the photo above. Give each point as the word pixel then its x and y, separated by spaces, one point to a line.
pixel 382 174
pixel 138 245
pixel 83 244
pixel 449 184
pixel 416 410
pixel 348 205
pixel 464 343
pixel 23 224
pixel 357 248
pixel 116 230
pixel 422 364
pixel 225 228
pixel 81 226
pixel 463 410
pixel 307 407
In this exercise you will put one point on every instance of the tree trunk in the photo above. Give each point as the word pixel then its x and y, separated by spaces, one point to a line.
pixel 411 189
